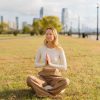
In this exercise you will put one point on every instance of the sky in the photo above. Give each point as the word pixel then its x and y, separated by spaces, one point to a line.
pixel 26 10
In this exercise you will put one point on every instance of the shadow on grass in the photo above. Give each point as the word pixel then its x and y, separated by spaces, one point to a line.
pixel 21 94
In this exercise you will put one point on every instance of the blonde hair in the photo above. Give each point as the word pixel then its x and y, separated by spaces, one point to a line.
pixel 55 41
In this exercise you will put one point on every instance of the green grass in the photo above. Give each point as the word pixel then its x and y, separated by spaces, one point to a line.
pixel 17 62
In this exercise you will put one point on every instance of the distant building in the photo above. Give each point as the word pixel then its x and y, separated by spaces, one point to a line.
pixel 64 19
pixel 24 24
pixel 41 12
pixel 1 19
pixel 17 23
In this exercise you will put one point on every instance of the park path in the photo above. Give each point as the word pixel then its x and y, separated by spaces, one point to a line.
pixel 13 38
pixel 93 37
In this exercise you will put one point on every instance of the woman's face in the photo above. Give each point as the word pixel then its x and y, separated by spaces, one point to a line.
pixel 49 35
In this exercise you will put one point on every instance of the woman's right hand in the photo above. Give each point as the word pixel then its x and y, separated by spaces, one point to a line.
pixel 46 59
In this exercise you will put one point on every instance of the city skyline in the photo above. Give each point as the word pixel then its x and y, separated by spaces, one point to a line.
pixel 26 10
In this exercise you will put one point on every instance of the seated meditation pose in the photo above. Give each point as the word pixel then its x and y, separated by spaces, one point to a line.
pixel 51 59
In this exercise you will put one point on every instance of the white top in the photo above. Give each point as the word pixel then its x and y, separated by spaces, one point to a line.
pixel 57 57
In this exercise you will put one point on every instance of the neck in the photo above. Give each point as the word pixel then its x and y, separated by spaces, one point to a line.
pixel 50 45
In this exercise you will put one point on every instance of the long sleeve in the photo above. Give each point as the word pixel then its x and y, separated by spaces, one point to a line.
pixel 37 59
pixel 63 62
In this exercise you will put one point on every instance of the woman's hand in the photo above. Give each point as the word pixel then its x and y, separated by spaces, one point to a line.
pixel 47 59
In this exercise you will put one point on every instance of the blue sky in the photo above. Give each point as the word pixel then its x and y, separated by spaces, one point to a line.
pixel 28 9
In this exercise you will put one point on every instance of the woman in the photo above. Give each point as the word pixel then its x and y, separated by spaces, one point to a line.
pixel 52 58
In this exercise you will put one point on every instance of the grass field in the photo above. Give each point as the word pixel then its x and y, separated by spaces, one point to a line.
pixel 17 62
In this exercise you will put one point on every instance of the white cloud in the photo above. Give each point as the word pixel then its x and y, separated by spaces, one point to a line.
pixel 20 6
pixel 86 9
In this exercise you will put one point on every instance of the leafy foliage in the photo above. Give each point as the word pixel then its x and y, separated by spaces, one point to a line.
pixel 39 25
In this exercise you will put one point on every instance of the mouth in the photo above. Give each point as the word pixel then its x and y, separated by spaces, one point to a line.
pixel 48 38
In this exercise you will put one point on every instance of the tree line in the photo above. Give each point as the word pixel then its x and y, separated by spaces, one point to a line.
pixel 37 28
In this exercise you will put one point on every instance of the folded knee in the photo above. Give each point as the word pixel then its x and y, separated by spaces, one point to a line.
pixel 29 79
pixel 66 81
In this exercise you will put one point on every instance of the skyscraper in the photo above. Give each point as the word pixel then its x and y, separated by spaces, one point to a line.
pixel 2 23
pixel 41 12
pixel 17 23
pixel 65 19
pixel 1 19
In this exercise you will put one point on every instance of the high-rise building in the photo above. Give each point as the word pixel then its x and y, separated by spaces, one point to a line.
pixel 65 19
pixel 2 23
pixel 1 19
pixel 24 24
pixel 41 12
pixel 17 23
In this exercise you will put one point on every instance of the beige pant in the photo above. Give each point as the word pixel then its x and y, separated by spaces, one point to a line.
pixel 57 82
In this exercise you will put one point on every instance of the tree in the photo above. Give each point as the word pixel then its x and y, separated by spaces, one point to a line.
pixel 39 25
pixel 26 29
pixel 4 27
pixel 51 21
